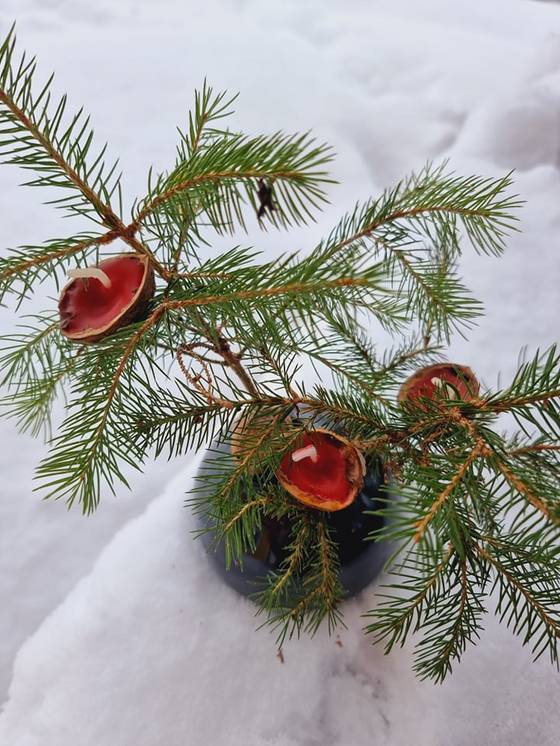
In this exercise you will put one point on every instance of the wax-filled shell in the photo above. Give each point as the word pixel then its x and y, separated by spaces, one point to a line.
pixel 447 380
pixel 90 311
pixel 328 476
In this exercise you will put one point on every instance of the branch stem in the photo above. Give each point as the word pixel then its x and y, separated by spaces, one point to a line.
pixel 551 624
pixel 423 524
pixel 105 212
pixel 204 178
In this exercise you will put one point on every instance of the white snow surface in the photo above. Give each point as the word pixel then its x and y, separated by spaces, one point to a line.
pixel 113 628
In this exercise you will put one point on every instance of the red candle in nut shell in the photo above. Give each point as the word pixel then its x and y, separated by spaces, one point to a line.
pixel 323 470
pixel 100 300
pixel 442 380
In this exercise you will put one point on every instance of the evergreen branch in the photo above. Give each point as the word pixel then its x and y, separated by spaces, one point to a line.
pixel 178 230
pixel 34 364
pixel 212 178
pixel 38 141
pixel 425 213
pixel 400 360
pixel 329 568
pixel 29 264
pixel 506 405
pixel 250 455
pixel 351 356
pixel 31 353
pixel 31 404
pixel 251 505
pixel 209 107
pixel 298 599
pixel 394 617
pixel 353 379
pixel 177 423
pixel 537 381
pixel 446 642
pixel 229 483
pixel 520 486
pixel 294 289
pixel 423 524
pixel 480 204
pixel 92 440
pixel 292 565
pixel 356 415
pixel 473 504
pixel 533 587
pixel 533 448
pixel 217 181
pixel 435 296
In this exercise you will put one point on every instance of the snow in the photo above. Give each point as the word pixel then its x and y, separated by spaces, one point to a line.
pixel 150 649
pixel 113 628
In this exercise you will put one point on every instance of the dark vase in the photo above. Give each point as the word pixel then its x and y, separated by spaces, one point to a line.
pixel 361 559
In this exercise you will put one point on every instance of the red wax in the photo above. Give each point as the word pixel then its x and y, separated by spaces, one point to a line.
pixel 425 388
pixel 326 478
pixel 88 304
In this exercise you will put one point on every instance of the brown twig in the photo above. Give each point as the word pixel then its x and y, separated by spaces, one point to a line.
pixel 535 448
pixel 58 254
pixel 247 506
pixel 110 219
pixel 422 525
pixel 523 489
pixel 233 360
pixel 196 379
pixel 520 401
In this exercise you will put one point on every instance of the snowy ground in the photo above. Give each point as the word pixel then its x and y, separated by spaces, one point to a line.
pixel 113 629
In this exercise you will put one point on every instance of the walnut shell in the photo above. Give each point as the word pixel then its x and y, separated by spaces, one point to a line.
pixel 312 484
pixel 90 312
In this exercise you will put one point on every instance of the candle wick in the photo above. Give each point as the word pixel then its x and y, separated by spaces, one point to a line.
pixel 446 388
pixel 307 452
pixel 90 272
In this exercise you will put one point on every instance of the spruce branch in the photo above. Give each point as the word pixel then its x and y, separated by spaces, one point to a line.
pixel 443 496
pixel 215 360
pixel 294 603
pixel 35 363
pixel 416 227
pixel 437 652
pixel 481 206
pixel 401 613
pixel 528 591
pixel 93 445
pixel 36 136
pixel 27 265
pixel 519 485
pixel 206 182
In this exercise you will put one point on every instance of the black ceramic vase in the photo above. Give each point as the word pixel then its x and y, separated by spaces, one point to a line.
pixel 361 559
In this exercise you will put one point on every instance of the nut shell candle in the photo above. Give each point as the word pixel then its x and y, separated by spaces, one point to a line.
pixel 447 380
pixel 100 300
pixel 323 470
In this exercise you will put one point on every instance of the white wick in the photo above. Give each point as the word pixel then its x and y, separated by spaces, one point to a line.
pixel 307 452
pixel 446 388
pixel 91 272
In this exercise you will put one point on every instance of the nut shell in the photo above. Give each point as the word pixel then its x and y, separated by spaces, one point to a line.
pixel 131 310
pixel 467 383
pixel 352 479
